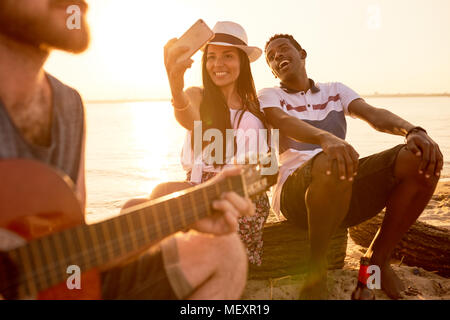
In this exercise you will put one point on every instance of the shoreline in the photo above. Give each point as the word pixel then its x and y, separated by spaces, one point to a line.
pixel 372 95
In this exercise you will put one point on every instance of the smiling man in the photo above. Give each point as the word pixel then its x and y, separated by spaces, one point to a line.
pixel 43 119
pixel 323 184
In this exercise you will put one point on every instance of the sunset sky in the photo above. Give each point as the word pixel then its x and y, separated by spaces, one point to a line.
pixel 387 46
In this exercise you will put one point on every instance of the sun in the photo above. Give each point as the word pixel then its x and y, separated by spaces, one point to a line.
pixel 128 39
pixel 125 59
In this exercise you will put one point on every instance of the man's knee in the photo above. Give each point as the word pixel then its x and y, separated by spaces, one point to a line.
pixel 233 260
pixel 160 190
pixel 133 202
pixel 166 188
pixel 319 174
pixel 407 167
pixel 203 256
pixel 234 244
pixel 230 251
pixel 219 251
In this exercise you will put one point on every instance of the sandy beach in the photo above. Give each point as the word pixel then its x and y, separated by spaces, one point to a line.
pixel 421 284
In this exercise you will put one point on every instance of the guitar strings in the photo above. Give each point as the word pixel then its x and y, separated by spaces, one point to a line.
pixel 92 252
pixel 112 243
pixel 126 239
pixel 89 255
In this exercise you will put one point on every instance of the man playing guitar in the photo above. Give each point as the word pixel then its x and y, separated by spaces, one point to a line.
pixel 43 119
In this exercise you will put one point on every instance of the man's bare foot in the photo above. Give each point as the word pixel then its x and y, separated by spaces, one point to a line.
pixel 390 282
pixel 315 287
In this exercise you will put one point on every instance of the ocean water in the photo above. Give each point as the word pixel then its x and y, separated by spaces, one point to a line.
pixel 132 147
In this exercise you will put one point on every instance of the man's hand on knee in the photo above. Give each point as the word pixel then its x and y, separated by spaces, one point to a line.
pixel 343 153
pixel 432 160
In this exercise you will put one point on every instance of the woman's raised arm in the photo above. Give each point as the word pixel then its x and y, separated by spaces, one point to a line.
pixel 186 104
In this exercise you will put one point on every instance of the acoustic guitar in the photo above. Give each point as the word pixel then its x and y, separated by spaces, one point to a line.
pixel 38 204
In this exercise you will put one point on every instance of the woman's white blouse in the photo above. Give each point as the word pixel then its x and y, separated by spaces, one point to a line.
pixel 251 140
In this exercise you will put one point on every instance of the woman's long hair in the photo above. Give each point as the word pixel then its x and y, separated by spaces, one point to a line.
pixel 214 111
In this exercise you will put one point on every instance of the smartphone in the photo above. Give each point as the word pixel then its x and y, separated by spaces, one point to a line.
pixel 194 38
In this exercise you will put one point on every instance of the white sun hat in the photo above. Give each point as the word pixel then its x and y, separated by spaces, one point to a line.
pixel 227 33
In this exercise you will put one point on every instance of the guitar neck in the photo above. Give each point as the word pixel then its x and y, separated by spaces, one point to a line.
pixel 44 261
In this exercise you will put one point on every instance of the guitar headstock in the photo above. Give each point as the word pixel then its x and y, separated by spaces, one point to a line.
pixel 260 177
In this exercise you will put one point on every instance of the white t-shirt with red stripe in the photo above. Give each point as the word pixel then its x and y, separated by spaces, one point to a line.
pixel 323 106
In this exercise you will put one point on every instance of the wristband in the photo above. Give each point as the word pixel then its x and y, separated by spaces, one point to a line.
pixel 412 130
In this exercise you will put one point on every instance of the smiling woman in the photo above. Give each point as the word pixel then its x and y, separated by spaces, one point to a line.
pixel 222 64
pixel 226 103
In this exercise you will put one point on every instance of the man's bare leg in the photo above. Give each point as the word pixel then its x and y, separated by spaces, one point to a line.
pixel 216 267
pixel 404 206
pixel 327 202
pixel 159 191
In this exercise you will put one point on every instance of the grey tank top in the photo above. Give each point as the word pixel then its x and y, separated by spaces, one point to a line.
pixel 66 133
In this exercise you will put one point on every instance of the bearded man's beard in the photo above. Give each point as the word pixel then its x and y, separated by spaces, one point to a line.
pixel 41 30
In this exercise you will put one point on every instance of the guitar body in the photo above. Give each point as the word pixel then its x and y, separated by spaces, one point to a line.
pixel 36 201
pixel 38 204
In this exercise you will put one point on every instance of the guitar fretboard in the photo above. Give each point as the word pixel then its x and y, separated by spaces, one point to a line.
pixel 43 262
